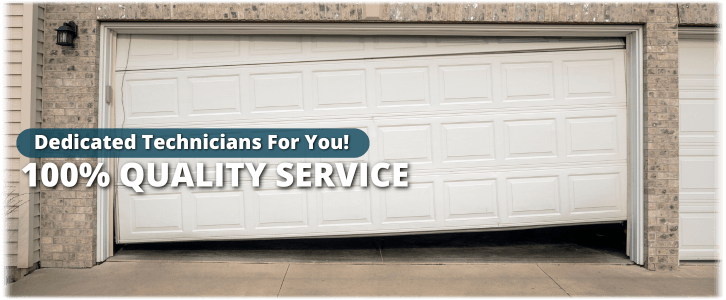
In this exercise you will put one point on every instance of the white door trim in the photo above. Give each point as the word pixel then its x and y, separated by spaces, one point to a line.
pixel 698 32
pixel 634 51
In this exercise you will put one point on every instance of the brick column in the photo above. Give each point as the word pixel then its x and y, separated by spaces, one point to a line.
pixel 70 100
pixel 661 136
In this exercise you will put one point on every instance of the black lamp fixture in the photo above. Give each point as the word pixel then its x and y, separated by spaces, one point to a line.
pixel 67 33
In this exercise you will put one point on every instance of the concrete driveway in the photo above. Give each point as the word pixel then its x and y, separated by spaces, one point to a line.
pixel 368 279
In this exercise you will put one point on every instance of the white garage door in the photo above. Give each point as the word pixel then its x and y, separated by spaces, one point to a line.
pixel 499 132
pixel 698 159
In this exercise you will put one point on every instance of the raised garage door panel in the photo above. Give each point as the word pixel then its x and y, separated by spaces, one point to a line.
pixel 493 140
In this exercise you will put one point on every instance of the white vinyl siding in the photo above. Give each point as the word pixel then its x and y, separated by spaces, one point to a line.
pixel 23 110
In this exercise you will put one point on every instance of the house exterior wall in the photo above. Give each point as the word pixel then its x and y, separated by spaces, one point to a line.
pixel 13 87
pixel 71 90
pixel 68 215
pixel 23 74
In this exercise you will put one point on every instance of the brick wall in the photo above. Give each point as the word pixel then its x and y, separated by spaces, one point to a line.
pixel 68 215
pixel 661 135
pixel 71 97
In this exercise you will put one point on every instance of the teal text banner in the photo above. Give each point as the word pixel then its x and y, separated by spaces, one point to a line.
pixel 190 143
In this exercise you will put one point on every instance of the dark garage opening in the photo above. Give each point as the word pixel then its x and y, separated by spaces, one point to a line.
pixel 597 243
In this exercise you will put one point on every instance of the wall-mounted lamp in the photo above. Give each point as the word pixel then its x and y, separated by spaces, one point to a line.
pixel 67 33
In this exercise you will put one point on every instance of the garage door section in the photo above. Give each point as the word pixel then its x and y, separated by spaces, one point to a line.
pixel 498 132
pixel 699 148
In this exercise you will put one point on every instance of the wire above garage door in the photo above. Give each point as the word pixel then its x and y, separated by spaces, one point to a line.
pixel 181 51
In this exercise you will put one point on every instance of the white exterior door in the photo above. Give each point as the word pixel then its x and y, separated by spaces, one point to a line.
pixel 519 137
pixel 700 110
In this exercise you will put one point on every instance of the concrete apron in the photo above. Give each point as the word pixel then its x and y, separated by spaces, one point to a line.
pixel 393 279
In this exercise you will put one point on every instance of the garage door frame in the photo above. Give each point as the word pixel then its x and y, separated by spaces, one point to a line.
pixel 633 35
